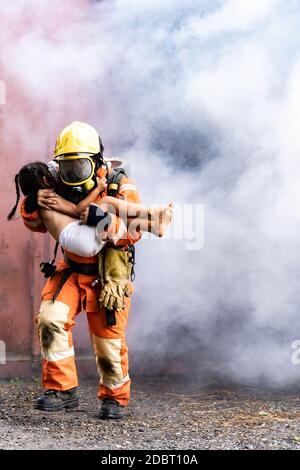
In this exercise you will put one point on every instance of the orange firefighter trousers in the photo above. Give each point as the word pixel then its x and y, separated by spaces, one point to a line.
pixel 55 322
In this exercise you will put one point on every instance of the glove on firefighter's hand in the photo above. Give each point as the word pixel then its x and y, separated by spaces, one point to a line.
pixel 115 271
pixel 112 295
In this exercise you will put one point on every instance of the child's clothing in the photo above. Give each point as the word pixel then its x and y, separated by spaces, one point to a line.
pixel 80 239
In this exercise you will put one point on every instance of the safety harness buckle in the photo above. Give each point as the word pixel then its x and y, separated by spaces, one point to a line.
pixel 48 269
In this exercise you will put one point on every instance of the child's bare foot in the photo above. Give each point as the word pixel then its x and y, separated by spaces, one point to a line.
pixel 160 219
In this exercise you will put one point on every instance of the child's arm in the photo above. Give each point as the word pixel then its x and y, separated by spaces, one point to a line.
pixel 59 204
pixel 92 196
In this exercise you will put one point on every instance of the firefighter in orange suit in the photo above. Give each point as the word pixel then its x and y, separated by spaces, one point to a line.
pixel 79 153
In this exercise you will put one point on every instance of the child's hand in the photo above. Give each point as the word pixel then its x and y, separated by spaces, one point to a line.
pixel 59 204
pixel 102 184
pixel 84 216
pixel 44 198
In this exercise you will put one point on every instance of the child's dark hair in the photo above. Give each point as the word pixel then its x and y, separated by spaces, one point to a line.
pixel 30 179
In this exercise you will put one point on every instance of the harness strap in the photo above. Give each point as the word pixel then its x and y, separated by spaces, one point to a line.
pixel 89 269
pixel 110 316
pixel 73 267
pixel 65 274
pixel 113 181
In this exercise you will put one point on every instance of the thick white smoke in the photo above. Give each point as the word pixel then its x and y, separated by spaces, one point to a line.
pixel 202 98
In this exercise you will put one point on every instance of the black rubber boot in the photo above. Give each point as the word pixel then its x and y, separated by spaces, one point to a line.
pixel 110 409
pixel 54 400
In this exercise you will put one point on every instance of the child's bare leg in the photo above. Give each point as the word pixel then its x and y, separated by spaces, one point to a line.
pixel 124 209
pixel 128 209
pixel 153 219
pixel 55 221
pixel 156 225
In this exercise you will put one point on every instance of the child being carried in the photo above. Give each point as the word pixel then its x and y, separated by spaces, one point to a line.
pixel 74 226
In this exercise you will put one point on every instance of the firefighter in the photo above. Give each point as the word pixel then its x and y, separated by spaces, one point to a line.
pixel 72 288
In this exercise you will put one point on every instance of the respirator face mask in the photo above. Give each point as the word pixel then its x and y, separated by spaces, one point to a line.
pixel 77 174
pixel 77 171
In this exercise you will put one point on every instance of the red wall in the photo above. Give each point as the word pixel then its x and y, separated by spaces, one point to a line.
pixel 37 107
pixel 21 251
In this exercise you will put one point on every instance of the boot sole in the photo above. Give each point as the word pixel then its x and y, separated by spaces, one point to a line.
pixel 110 416
pixel 66 405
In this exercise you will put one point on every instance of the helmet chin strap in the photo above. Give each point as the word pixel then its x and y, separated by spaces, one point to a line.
pixel 98 158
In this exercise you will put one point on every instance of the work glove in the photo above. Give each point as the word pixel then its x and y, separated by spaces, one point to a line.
pixel 115 271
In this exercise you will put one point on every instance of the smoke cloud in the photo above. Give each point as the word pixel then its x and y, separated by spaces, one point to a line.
pixel 202 100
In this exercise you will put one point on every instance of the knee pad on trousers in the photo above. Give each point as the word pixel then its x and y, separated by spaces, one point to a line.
pixel 54 338
pixel 109 361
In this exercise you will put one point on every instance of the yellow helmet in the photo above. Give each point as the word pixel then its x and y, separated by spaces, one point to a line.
pixel 78 151
pixel 76 138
